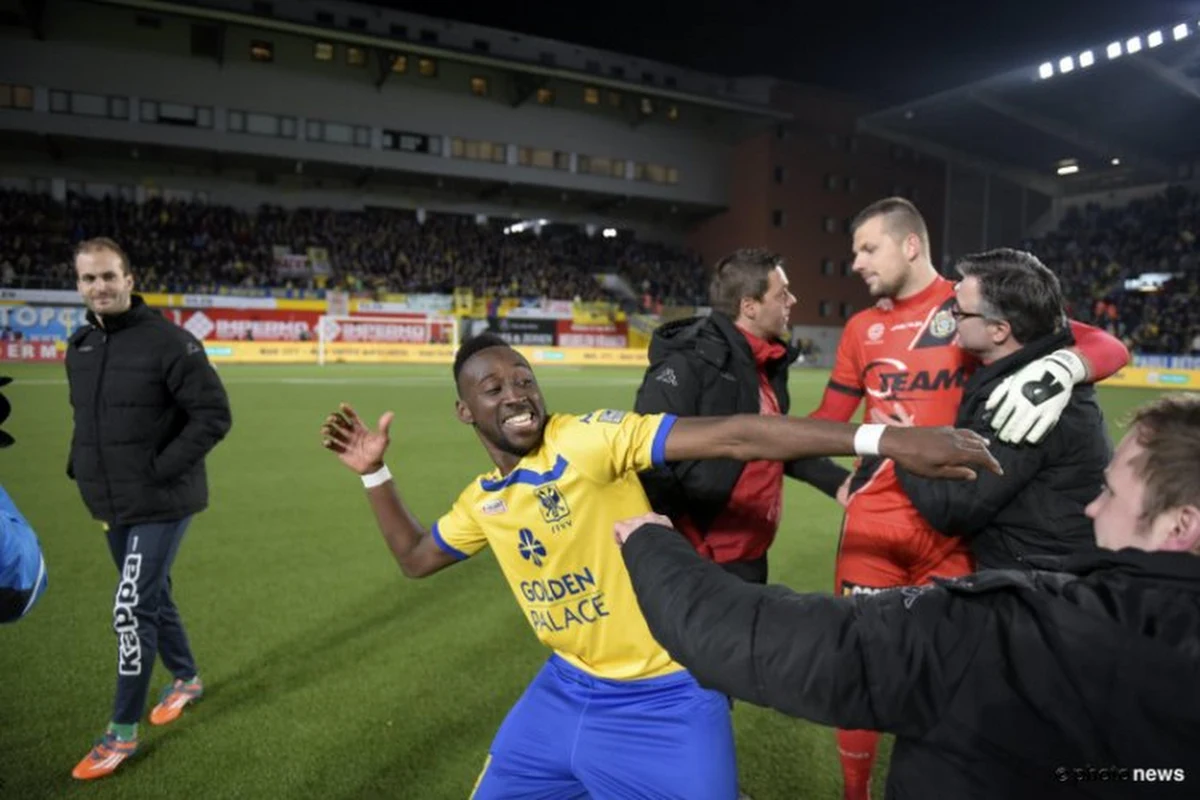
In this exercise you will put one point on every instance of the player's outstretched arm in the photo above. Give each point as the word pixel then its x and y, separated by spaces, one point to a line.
pixel 932 452
pixel 362 449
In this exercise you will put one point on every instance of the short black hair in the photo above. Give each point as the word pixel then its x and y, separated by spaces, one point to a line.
pixel 483 341
pixel 1018 288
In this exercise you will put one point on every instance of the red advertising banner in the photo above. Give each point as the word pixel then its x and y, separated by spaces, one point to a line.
pixel 244 324
pixel 273 325
pixel 573 334
pixel 31 351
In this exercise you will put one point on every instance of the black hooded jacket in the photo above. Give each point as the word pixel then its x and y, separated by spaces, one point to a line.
pixel 703 366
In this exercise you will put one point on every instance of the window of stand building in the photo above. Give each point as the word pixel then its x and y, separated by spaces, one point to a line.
pixel 399 63
pixel 427 67
pixel 16 97
pixel 601 166
pixel 591 96
pixel 356 57
pixel 479 86
pixel 323 51
pixel 545 96
pixel 478 150
pixel 543 158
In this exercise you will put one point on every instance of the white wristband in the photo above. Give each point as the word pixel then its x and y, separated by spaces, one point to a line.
pixel 377 478
pixel 866 439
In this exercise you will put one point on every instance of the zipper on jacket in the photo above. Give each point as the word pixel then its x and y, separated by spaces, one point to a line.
pixel 112 509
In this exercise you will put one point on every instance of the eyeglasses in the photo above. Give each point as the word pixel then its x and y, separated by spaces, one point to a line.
pixel 960 315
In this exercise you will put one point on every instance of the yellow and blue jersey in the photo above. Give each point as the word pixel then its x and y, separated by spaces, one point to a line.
pixel 550 523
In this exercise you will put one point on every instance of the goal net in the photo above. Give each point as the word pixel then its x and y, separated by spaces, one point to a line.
pixel 341 337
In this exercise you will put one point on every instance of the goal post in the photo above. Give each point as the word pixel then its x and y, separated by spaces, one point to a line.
pixel 430 328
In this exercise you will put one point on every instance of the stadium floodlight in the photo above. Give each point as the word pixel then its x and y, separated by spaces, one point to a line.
pixel 1116 162
pixel 1066 64
pixel 1067 167
pixel 1086 59
pixel 1179 31
pixel 1114 50
pixel 609 233
pixel 1155 39
pixel 1133 45
pixel 1046 70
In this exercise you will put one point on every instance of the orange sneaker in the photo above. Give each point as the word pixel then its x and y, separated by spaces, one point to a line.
pixel 105 757
pixel 174 697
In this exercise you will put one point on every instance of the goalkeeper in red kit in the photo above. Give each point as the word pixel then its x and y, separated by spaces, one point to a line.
pixel 902 357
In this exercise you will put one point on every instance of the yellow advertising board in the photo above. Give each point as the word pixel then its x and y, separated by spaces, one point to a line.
pixel 583 356
pixel 1156 378
pixel 240 352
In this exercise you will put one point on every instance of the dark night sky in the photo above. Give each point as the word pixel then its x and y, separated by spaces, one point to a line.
pixel 890 51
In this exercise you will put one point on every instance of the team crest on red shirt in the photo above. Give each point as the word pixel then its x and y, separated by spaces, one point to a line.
pixel 942 325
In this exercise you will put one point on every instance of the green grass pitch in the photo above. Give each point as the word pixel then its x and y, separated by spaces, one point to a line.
pixel 328 674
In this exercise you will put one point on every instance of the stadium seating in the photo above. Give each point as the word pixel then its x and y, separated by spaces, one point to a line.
pixel 1096 250
pixel 191 247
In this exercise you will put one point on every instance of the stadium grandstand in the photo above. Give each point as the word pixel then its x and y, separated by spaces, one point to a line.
pixel 1089 159
pixel 277 169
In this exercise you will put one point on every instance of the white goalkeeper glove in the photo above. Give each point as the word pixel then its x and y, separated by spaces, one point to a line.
pixel 1028 404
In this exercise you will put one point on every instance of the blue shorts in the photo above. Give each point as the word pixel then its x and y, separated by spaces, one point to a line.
pixel 572 735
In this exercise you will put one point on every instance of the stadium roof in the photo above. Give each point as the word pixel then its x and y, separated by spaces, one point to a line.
pixel 1121 113
pixel 213 11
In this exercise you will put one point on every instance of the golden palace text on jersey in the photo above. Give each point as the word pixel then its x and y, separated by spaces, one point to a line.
pixel 550 523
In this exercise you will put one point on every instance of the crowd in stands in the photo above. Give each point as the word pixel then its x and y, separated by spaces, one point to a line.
pixel 194 247
pixel 1097 250
pixel 197 248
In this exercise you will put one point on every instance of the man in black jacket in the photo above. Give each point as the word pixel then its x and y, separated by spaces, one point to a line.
pixel 1010 313
pixel 148 408
pixel 1076 680
pixel 734 361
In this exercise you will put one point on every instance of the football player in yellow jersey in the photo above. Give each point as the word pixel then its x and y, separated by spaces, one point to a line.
pixel 613 715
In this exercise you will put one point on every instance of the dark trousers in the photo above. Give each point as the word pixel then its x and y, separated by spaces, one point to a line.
pixel 145 618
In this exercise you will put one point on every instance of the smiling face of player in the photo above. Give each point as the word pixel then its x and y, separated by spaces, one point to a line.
pixel 499 396
pixel 104 281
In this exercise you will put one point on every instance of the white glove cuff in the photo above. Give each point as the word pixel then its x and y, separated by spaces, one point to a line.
pixel 1071 362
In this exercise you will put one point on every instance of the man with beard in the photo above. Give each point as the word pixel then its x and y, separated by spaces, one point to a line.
pixel 612 713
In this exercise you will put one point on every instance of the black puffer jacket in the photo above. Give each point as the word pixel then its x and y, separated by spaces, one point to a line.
pixel 701 367
pixel 148 408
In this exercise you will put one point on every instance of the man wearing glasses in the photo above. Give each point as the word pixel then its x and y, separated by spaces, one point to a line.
pixel 1009 313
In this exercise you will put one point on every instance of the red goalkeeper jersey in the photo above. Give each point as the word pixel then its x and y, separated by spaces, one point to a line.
pixel 902 356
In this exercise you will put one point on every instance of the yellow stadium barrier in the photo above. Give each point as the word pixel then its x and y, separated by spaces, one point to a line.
pixel 1156 378
pixel 238 352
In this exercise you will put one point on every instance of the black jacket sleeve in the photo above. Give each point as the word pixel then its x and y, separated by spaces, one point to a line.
pixel 823 473
pixel 967 507
pixel 669 387
pixel 197 390
pixel 891 662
